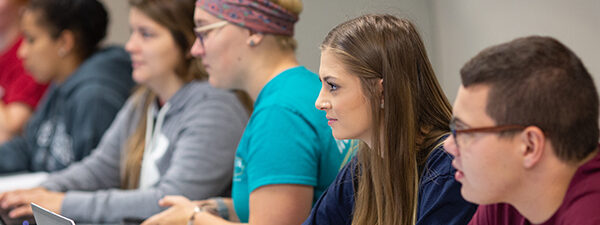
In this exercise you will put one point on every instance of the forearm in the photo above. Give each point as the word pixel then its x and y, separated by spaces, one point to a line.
pixel 205 218
pixel 12 118
pixel 110 206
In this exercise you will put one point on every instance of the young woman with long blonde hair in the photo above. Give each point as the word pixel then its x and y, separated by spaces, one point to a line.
pixel 379 87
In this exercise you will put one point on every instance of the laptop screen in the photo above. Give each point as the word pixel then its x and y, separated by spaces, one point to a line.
pixel 46 217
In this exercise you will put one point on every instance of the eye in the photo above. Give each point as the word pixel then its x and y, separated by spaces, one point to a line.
pixel 201 34
pixel 145 33
pixel 29 39
pixel 331 86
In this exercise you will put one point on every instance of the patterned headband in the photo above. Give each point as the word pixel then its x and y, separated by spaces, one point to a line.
pixel 257 15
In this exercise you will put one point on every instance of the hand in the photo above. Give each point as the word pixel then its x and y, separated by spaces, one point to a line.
pixel 180 212
pixel 19 201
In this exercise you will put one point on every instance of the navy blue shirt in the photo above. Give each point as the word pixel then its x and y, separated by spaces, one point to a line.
pixel 440 201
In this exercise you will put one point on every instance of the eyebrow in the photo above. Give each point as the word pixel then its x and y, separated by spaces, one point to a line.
pixel 458 121
pixel 199 22
pixel 327 78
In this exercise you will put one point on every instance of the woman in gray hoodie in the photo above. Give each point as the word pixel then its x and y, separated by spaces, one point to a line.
pixel 175 136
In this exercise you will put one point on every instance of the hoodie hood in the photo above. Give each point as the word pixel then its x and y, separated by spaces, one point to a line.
pixel 111 65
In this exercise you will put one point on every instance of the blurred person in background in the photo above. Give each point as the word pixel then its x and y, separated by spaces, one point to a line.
pixel 19 93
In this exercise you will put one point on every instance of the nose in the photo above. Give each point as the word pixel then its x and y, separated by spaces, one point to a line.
pixel 197 49
pixel 131 46
pixel 22 51
pixel 450 146
pixel 322 103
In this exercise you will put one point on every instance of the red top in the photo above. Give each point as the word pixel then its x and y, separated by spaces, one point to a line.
pixel 16 85
pixel 580 206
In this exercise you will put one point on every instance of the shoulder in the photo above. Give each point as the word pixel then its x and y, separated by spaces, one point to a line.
pixel 583 197
pixel 108 64
pixel 297 87
pixel 501 213
pixel 199 94
pixel 198 102
pixel 438 165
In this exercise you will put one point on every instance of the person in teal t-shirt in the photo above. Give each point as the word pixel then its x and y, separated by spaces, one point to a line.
pixel 286 141
pixel 287 156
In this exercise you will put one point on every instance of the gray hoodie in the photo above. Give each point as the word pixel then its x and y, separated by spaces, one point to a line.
pixel 202 127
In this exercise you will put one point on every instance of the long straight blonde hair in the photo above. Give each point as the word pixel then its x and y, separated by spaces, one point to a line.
pixel 414 117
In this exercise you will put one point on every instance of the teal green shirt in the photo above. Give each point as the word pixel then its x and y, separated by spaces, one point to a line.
pixel 286 141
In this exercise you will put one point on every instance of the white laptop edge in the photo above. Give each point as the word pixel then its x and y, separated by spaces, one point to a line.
pixel 45 217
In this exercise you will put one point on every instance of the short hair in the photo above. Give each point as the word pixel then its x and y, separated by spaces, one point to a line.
pixel 538 81
pixel 87 19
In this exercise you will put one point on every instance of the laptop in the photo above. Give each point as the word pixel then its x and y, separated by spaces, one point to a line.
pixel 45 217
pixel 5 220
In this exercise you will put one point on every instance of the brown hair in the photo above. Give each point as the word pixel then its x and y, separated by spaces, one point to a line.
pixel 537 81
pixel 415 115
pixel 295 7
pixel 177 16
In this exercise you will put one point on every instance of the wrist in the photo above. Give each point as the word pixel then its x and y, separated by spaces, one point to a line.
pixel 222 209
pixel 197 209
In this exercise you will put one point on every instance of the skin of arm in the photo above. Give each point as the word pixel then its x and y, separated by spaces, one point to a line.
pixel 12 118
pixel 278 204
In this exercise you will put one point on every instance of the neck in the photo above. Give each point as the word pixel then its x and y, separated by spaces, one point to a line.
pixel 8 37
pixel 266 67
pixel 69 65
pixel 166 88
pixel 546 189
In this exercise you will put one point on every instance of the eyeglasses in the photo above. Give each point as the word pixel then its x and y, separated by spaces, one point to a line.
pixel 202 32
pixel 492 129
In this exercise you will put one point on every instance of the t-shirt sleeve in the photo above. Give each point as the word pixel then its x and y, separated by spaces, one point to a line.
pixel 283 149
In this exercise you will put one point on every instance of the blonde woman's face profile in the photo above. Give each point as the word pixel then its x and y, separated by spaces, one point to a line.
pixel 342 98
pixel 154 54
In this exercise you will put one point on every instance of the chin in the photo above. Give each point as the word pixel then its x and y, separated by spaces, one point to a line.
pixel 138 77
pixel 341 135
pixel 474 197
pixel 41 79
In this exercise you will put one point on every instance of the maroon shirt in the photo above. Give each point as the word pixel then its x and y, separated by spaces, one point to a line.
pixel 581 205
pixel 16 85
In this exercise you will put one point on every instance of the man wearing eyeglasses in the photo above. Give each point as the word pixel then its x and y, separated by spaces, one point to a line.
pixel 525 135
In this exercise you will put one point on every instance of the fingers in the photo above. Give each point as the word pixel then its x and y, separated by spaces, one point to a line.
pixel 24 210
pixel 171 200
pixel 153 220
pixel 13 200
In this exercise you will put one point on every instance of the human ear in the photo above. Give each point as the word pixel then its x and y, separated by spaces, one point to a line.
pixel 533 146
pixel 255 39
pixel 66 42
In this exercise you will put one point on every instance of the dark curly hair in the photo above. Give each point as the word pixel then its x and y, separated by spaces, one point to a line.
pixel 87 19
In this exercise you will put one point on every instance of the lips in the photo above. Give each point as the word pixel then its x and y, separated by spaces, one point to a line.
pixel 330 121
pixel 135 64
pixel 459 174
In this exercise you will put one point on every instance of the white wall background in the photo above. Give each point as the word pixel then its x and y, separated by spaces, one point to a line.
pixel 453 30
pixel 462 28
